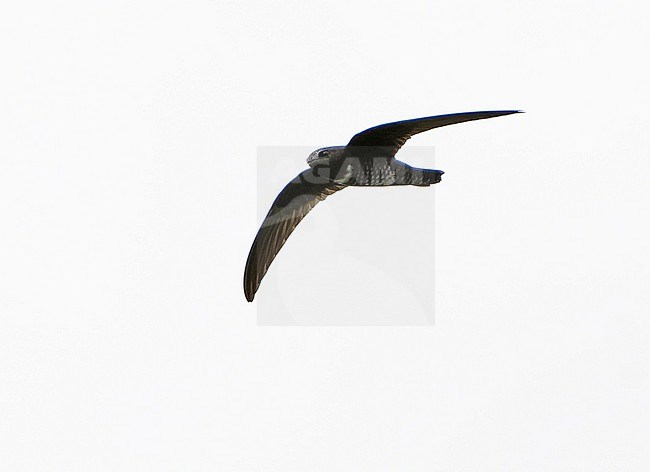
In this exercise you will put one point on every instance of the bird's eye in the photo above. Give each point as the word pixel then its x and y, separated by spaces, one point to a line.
pixel 323 154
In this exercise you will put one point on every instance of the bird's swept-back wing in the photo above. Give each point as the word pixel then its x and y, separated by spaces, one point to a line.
pixel 386 139
pixel 289 208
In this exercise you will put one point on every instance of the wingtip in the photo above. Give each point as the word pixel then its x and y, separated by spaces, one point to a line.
pixel 495 113
pixel 511 112
pixel 249 292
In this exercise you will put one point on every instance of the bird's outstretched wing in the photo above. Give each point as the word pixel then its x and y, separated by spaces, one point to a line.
pixel 289 208
pixel 386 139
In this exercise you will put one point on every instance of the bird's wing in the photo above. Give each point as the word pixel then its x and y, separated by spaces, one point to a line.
pixel 386 139
pixel 289 208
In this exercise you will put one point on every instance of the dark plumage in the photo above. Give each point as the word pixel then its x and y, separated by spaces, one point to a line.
pixel 368 160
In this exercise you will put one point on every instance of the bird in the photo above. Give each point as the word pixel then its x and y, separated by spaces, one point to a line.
pixel 368 160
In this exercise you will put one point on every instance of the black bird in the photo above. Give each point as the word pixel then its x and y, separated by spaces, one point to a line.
pixel 368 160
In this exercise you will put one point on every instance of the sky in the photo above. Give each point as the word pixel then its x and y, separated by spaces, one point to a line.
pixel 131 135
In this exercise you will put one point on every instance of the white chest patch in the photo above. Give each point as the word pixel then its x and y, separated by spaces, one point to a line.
pixel 347 176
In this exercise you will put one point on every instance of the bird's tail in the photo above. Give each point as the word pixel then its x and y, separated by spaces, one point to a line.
pixel 407 175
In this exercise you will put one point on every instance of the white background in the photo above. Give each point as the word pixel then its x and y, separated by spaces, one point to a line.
pixel 128 141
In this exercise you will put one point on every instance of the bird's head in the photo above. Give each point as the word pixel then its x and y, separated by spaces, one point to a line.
pixel 326 156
